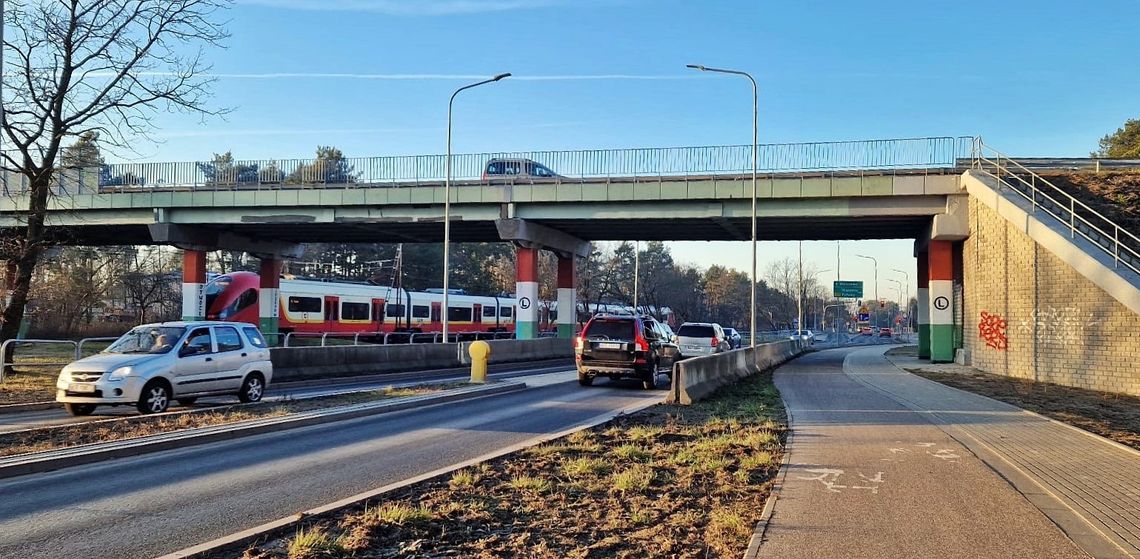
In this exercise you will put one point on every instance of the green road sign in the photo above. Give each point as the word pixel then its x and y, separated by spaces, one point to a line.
pixel 852 289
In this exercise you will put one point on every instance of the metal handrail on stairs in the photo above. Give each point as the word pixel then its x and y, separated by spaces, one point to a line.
pixel 1047 197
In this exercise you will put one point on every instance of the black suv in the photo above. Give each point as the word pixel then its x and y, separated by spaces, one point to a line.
pixel 624 346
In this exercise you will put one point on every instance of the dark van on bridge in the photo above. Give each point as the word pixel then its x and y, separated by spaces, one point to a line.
pixel 514 169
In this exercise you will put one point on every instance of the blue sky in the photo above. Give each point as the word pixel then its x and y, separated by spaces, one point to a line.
pixel 1033 78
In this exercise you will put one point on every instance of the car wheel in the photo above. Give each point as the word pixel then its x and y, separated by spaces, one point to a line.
pixel 155 397
pixel 585 380
pixel 649 379
pixel 187 401
pixel 79 409
pixel 252 389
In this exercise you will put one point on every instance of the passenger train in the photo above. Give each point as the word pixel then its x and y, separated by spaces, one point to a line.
pixel 311 306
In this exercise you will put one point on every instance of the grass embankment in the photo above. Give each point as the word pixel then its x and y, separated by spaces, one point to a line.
pixel 670 481
pixel 35 368
pixel 51 438
pixel 1113 416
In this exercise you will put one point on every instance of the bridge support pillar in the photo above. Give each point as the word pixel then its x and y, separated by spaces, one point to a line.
pixel 923 306
pixel 567 296
pixel 193 285
pixel 268 305
pixel 526 293
pixel 940 256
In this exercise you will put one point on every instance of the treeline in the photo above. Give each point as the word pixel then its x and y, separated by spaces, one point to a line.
pixel 93 291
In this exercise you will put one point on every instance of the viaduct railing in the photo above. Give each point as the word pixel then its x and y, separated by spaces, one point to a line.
pixel 563 166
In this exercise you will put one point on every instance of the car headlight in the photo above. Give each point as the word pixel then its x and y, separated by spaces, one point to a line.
pixel 119 374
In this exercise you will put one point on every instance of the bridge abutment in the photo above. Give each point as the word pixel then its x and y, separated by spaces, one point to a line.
pixel 923 305
pixel 940 259
pixel 526 293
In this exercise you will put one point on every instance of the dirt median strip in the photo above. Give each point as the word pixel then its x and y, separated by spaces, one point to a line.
pixel 83 454
pixel 668 481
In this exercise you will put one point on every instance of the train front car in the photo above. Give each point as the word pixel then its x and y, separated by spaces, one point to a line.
pixel 233 297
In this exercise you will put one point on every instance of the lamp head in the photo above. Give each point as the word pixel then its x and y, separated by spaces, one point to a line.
pixel 696 67
pixel 501 76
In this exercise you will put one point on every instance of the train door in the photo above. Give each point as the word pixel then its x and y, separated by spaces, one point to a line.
pixel 436 321
pixel 477 314
pixel 332 312
pixel 378 313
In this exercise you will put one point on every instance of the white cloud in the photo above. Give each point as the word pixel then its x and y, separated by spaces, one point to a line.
pixel 410 7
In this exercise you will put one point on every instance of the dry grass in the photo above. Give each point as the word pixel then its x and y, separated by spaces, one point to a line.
pixel 25 386
pixel 1113 416
pixel 50 438
pixel 670 481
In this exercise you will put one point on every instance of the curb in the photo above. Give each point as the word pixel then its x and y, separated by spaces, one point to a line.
pixel 31 406
pixel 252 534
pixel 761 527
pixel 97 452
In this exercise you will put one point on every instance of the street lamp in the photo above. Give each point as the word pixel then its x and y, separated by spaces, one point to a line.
pixel 447 202
pixel 899 287
pixel 872 258
pixel 906 293
pixel 755 157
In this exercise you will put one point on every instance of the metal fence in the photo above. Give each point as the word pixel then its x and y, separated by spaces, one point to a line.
pixel 1045 198
pixel 565 166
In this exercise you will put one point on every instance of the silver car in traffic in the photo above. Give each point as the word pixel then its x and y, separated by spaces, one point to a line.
pixel 155 363
pixel 701 338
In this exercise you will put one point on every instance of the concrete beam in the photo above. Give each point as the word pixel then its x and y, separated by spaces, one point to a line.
pixel 199 238
pixel 532 235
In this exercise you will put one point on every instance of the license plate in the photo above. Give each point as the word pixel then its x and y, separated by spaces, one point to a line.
pixel 693 347
pixel 89 388
pixel 610 345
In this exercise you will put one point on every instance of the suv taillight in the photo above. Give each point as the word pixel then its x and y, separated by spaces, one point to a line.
pixel 579 343
pixel 641 344
pixel 715 343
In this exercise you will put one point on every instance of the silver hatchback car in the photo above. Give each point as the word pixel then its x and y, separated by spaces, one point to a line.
pixel 702 338
pixel 156 363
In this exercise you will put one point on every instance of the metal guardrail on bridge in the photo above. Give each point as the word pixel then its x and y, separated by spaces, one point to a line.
pixel 569 166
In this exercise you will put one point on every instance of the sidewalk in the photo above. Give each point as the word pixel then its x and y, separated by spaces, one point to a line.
pixel 887 464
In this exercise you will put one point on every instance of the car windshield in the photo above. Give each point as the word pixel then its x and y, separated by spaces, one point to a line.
pixel 147 339
pixel 610 330
pixel 696 331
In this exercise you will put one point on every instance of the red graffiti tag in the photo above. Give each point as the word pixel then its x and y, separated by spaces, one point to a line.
pixel 992 330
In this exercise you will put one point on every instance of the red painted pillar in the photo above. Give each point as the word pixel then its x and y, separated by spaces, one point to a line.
pixel 941 269
pixel 193 285
pixel 526 293
pixel 268 306
pixel 567 296
pixel 923 305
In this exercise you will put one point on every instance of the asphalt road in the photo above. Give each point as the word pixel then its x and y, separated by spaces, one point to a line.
pixel 10 422
pixel 154 504
pixel 869 477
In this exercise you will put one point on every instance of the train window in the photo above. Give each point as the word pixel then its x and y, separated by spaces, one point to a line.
pixel 505 312
pixel 354 311
pixel 304 304
pixel 395 310
pixel 489 312
pixel 247 299
pixel 420 311
pixel 459 314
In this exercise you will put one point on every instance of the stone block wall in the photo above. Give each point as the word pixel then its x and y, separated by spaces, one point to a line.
pixel 1030 315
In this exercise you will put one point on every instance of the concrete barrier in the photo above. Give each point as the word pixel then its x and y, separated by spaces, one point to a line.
pixel 694 379
pixel 302 363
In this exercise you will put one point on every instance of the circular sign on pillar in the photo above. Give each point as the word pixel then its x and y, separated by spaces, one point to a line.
pixel 941 303
pixel 524 303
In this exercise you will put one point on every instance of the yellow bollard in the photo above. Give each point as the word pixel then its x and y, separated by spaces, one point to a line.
pixel 480 352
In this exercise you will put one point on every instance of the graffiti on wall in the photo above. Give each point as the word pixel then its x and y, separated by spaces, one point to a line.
pixel 1059 325
pixel 992 331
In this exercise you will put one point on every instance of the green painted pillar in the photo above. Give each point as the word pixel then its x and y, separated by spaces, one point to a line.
pixel 941 267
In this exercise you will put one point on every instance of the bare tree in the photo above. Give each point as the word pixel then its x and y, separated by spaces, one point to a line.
pixel 81 66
